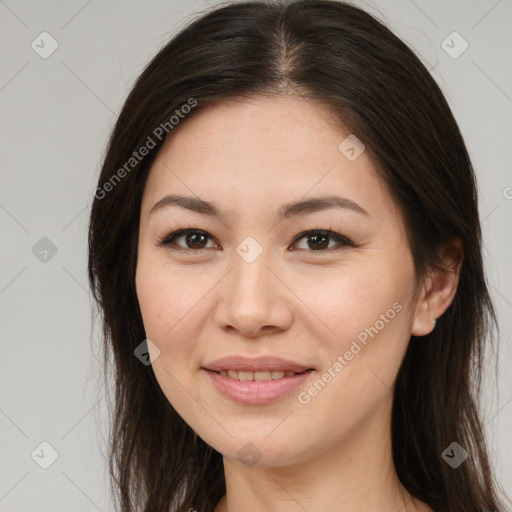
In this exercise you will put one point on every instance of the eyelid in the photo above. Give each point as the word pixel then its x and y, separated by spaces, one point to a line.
pixel 167 240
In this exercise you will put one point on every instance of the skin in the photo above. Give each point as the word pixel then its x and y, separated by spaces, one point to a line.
pixel 249 158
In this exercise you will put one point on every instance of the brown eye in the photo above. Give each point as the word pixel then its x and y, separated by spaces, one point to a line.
pixel 193 239
pixel 318 241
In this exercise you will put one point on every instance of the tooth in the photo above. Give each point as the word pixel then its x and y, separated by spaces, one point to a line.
pixel 262 376
pixel 257 376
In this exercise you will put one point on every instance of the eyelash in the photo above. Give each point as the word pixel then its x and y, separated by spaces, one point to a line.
pixel 167 241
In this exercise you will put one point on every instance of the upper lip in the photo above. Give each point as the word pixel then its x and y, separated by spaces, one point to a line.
pixel 256 364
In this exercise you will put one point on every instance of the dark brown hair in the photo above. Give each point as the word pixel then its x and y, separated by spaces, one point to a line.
pixel 339 56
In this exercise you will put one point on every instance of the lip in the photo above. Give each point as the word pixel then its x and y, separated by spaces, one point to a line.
pixel 256 392
pixel 256 364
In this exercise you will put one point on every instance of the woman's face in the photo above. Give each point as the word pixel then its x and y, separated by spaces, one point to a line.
pixel 247 286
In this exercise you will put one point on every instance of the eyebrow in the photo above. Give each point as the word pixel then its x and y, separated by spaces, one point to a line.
pixel 286 211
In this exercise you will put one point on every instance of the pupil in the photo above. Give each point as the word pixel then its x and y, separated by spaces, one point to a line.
pixel 192 236
pixel 319 245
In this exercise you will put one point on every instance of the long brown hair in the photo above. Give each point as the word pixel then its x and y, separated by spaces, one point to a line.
pixel 339 55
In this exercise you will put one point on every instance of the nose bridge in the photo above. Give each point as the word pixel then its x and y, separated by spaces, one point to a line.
pixel 250 275
pixel 251 296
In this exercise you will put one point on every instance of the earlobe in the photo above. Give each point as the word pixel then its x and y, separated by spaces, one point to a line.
pixel 438 291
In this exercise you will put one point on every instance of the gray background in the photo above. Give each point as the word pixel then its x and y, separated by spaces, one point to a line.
pixel 57 113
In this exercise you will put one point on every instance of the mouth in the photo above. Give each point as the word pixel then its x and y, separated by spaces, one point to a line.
pixel 263 375
pixel 259 387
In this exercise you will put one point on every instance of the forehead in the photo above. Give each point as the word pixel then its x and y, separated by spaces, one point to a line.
pixel 259 128
pixel 251 153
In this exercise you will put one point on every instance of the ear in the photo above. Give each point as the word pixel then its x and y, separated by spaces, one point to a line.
pixel 438 289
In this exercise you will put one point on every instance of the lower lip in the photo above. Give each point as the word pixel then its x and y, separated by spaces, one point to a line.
pixel 254 392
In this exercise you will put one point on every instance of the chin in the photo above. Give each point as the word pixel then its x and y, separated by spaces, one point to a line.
pixel 259 449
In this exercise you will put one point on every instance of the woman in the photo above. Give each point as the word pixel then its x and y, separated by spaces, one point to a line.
pixel 286 250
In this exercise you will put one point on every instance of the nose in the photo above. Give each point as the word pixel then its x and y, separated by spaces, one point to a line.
pixel 254 299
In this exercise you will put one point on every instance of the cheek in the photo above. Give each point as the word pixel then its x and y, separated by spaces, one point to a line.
pixel 152 296
pixel 362 349
pixel 346 302
pixel 165 297
pixel 168 310
pixel 362 323
pixel 172 303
